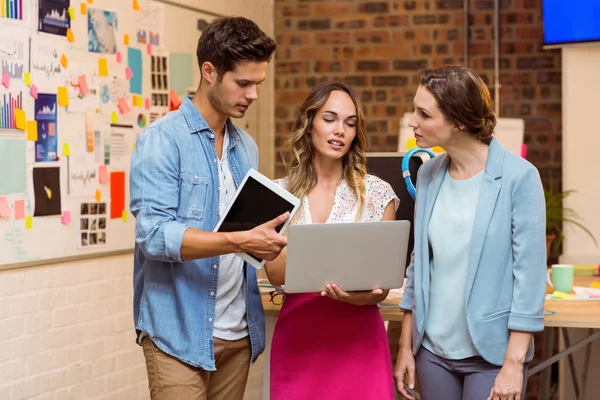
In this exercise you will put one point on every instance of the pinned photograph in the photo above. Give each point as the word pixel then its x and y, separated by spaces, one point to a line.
pixel 84 239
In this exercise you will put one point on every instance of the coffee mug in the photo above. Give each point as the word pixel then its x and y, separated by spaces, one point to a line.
pixel 562 277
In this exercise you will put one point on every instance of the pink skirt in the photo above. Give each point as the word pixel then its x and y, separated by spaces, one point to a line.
pixel 324 348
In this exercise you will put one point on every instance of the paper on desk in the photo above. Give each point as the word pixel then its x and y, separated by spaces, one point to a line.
pixel 581 293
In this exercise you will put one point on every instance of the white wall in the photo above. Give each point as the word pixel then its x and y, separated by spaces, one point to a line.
pixel 66 330
pixel 581 163
pixel 581 147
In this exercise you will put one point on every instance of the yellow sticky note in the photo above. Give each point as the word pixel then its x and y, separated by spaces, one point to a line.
pixel 70 36
pixel 595 285
pixel 98 196
pixel 561 295
pixel 27 78
pixel 83 8
pixel 90 1
pixel 71 12
pixel 32 132
pixel 438 149
pixel 126 39
pixel 66 150
pixel 63 61
pixel 63 96
pixel 124 216
pixel 28 222
pixel 114 117
pixel 136 5
pixel 20 119
pixel 102 67
pixel 411 143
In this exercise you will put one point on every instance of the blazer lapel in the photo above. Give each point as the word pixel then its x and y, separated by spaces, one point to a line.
pixel 432 193
pixel 488 195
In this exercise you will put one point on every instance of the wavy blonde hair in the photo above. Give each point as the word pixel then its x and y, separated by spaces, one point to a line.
pixel 298 151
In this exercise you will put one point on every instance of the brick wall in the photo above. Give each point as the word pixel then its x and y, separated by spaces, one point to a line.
pixel 377 46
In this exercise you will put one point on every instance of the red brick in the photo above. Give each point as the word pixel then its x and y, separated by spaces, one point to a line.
pixel 332 37
pixel 331 9
pixel 296 10
pixel 392 50
pixel 372 37
pixel 294 98
pixel 530 33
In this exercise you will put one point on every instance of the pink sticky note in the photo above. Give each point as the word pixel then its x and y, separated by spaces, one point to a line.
pixel 118 56
pixel 33 91
pixel 123 106
pixel 19 209
pixel 149 49
pixel 6 79
pixel 66 217
pixel 103 174
pixel 128 73
pixel 5 210
pixel 524 151
pixel 147 104
pixel 83 87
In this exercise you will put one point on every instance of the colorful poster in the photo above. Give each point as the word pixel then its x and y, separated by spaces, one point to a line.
pixel 14 51
pixel 149 24
pixel 46 188
pixel 54 17
pixel 102 31
pixel 111 90
pixel 15 9
pixel 82 86
pixel 46 147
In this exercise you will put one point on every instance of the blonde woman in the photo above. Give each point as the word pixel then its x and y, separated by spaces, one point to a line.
pixel 331 344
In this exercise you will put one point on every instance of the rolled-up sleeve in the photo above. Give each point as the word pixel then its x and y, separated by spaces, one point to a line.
pixel 409 289
pixel 529 253
pixel 154 192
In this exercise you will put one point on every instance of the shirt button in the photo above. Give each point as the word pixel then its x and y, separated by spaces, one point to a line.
pixel 210 320
pixel 212 136
pixel 195 176
pixel 214 267
pixel 212 293
pixel 214 160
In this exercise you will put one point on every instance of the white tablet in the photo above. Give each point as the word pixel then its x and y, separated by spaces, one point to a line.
pixel 256 201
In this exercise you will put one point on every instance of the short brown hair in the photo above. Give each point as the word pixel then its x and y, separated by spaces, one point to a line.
pixel 230 40
pixel 463 98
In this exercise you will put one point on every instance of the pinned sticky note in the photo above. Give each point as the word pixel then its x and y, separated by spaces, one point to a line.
pixel 114 118
pixel 27 78
pixel 118 56
pixel 63 96
pixel 147 104
pixel 20 119
pixel 98 196
pixel 83 87
pixel 134 100
pixel 48 192
pixel 90 1
pixel 140 102
pixel 174 99
pixel 33 91
pixel 103 176
pixel 524 150
pixel 83 9
pixel 128 73
pixel 5 210
pixel 136 5
pixel 411 143
pixel 123 106
pixel 6 80
pixel 126 39
pixel 149 49
pixel 70 36
pixel 32 131
pixel 124 215
pixel 595 285
pixel 28 222
pixel 561 295
pixel 66 217
pixel 66 150
pixel 102 67
pixel 63 61
pixel 71 12
pixel 438 149
pixel 19 210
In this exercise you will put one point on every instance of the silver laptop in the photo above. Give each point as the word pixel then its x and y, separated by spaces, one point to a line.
pixel 355 256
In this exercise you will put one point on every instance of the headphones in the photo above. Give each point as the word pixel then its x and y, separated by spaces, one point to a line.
pixel 405 171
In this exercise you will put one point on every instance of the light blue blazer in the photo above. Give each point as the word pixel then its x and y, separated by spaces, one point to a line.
pixel 507 261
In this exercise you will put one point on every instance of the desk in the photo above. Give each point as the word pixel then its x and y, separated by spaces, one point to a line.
pixel 569 314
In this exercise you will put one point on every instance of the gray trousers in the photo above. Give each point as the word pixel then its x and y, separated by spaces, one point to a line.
pixel 467 379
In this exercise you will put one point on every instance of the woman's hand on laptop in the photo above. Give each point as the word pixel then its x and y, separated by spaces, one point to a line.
pixel 358 298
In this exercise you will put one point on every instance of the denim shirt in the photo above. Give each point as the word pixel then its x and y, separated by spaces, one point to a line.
pixel 174 185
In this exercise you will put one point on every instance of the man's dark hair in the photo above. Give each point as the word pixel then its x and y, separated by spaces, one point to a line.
pixel 228 41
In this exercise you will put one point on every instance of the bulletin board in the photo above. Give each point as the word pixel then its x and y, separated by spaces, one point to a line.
pixel 80 81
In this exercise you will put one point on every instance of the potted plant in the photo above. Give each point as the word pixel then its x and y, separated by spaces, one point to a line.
pixel 558 216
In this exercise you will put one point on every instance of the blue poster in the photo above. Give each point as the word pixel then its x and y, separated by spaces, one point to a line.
pixel 102 31
pixel 46 147
pixel 134 60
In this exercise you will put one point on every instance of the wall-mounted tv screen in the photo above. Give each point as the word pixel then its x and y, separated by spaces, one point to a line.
pixel 571 21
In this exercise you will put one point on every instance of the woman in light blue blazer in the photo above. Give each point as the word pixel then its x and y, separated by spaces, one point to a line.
pixel 475 287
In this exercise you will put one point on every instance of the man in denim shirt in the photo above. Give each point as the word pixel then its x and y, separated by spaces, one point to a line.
pixel 197 309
